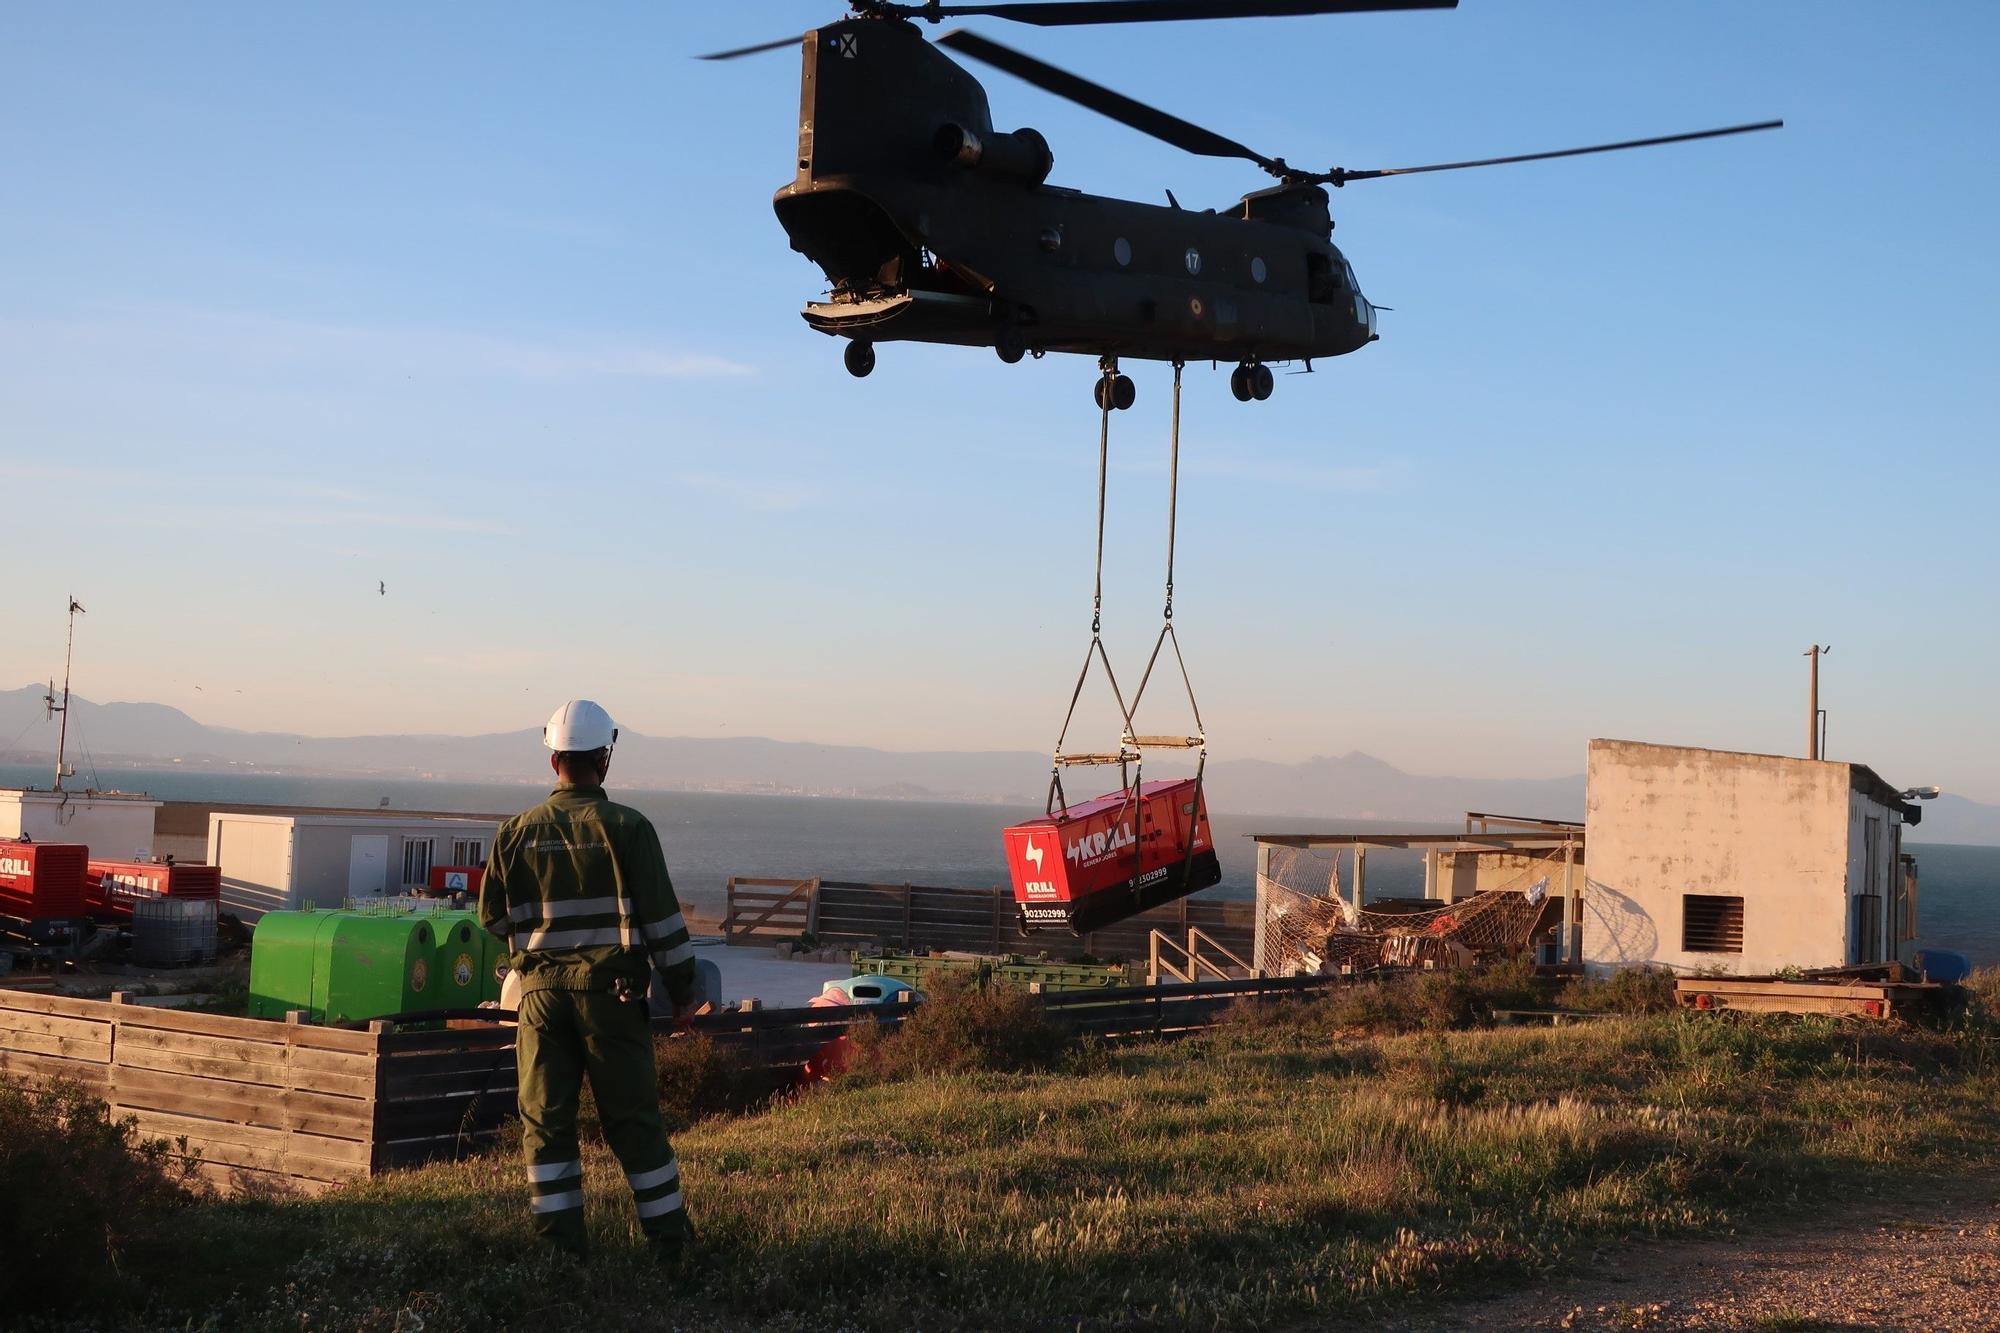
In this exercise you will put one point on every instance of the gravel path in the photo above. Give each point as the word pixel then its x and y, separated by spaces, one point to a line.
pixel 1931 1264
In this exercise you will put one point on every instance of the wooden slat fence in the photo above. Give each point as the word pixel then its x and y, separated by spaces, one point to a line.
pixel 920 916
pixel 768 910
pixel 268 1107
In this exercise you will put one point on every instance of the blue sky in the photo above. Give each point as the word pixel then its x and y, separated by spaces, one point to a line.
pixel 488 302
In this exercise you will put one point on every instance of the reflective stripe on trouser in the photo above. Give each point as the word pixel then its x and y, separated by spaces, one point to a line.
pixel 565 1036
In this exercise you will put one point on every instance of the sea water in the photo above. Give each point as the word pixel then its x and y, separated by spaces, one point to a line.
pixel 710 836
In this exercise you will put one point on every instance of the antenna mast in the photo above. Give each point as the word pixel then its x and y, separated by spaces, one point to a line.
pixel 49 700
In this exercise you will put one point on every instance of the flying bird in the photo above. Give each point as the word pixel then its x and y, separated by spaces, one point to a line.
pixel 382 588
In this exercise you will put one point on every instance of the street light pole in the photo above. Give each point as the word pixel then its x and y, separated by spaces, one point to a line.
pixel 1812 701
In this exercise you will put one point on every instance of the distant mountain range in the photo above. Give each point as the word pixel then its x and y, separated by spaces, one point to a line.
pixel 1352 786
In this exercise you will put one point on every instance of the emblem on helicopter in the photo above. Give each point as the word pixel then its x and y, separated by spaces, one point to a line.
pixel 1193 261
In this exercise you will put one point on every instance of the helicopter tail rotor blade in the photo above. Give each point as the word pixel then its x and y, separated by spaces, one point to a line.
pixel 758 49
pixel 1125 110
pixel 1340 176
pixel 1045 14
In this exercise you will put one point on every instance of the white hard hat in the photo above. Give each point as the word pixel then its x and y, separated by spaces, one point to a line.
pixel 579 725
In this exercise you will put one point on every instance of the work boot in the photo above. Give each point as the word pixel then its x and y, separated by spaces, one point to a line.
pixel 566 1235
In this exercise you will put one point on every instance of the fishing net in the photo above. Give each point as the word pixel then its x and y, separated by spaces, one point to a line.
pixel 1308 929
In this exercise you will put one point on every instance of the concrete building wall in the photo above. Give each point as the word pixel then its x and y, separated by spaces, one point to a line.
pixel 113 825
pixel 1666 821
pixel 1462 874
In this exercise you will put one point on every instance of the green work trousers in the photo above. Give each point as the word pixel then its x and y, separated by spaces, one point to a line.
pixel 563 1035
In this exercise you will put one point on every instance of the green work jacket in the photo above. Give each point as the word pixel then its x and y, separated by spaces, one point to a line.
pixel 578 888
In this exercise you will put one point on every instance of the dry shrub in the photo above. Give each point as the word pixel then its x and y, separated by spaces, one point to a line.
pixel 962 1027
pixel 1419 1002
pixel 697 1079
pixel 1983 986
pixel 78 1192
pixel 1630 990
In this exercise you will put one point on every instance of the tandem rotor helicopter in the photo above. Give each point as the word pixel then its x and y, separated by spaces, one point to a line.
pixel 934 227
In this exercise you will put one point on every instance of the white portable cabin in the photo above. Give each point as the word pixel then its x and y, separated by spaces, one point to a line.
pixel 1712 860
pixel 286 862
pixel 115 825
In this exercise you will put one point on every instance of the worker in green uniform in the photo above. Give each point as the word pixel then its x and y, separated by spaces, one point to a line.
pixel 578 888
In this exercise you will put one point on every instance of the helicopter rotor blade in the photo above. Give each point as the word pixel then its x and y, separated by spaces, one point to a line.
pixel 758 49
pixel 1045 13
pixel 1180 133
pixel 1340 176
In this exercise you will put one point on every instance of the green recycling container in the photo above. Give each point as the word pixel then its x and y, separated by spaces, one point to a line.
pixel 344 966
pixel 468 956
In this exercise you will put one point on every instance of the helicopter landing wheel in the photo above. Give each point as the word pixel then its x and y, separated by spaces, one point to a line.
pixel 859 358
pixel 1239 384
pixel 1123 392
pixel 1261 381
pixel 1010 343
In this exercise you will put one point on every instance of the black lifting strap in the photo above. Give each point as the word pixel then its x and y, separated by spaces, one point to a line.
pixel 1200 738
pixel 1057 799
pixel 1167 635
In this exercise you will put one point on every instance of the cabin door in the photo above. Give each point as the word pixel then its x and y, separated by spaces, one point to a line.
pixel 1871 904
pixel 367 864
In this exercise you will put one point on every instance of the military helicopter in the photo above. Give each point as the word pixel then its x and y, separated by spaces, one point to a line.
pixel 931 226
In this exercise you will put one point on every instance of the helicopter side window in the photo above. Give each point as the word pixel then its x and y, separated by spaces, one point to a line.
pixel 1322 280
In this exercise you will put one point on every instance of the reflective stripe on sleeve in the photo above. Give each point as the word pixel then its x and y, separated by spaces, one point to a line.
pixel 646 1180
pixel 654 1207
pixel 556 1203
pixel 665 928
pixel 553 1171
pixel 680 953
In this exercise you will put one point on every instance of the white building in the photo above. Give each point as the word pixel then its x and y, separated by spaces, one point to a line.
pixel 273 862
pixel 115 825
pixel 1742 863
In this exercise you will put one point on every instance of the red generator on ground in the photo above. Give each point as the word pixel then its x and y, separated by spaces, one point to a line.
pixel 1089 865
pixel 42 881
pixel 111 887
pixel 456 879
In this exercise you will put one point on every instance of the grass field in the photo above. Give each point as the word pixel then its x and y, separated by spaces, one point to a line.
pixel 1281 1170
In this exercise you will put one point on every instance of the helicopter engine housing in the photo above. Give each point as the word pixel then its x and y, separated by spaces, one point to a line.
pixel 1022 156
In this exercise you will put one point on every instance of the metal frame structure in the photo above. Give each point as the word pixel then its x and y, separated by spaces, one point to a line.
pixel 1483 832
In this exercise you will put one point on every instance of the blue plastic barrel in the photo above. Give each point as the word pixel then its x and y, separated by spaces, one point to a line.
pixel 1943 965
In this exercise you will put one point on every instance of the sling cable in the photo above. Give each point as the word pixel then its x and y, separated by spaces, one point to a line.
pixel 1085 866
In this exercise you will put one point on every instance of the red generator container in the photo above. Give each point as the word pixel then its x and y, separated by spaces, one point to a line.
pixel 42 880
pixel 1089 865
pixel 456 879
pixel 111 887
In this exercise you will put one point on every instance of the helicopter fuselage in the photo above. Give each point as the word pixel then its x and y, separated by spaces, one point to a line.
pixel 932 227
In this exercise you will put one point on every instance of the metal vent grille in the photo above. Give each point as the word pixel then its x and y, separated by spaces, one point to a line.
pixel 1711 923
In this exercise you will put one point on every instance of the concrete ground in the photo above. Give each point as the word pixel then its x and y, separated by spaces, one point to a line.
pixel 758 973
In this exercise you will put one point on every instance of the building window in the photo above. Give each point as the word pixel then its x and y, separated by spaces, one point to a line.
pixel 1711 923
pixel 468 852
pixel 417 861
